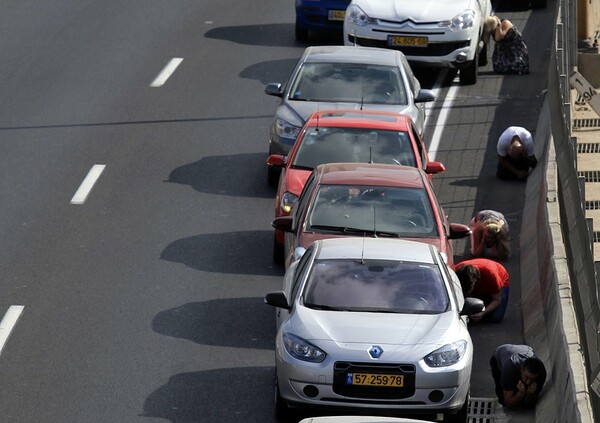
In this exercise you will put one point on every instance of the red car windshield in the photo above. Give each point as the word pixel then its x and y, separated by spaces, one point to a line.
pixel 393 211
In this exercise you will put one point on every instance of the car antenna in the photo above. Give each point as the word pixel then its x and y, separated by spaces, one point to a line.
pixel 362 92
pixel 317 128
pixel 362 253
pixel 374 220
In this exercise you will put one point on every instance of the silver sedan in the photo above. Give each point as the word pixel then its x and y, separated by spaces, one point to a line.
pixel 375 324
pixel 333 77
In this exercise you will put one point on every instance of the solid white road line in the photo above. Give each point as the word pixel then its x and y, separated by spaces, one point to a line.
pixel 87 184
pixel 442 117
pixel 8 323
pixel 166 72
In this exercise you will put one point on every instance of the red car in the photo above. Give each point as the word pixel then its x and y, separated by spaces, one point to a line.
pixel 368 199
pixel 332 136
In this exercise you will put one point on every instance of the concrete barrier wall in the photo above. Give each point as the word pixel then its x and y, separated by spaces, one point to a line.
pixel 549 319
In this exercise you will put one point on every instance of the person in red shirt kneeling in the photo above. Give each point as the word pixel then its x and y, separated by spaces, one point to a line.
pixel 487 280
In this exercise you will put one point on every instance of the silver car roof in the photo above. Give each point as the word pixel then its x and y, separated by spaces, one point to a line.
pixel 376 249
pixel 351 54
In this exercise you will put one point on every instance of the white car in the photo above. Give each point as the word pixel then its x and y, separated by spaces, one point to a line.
pixel 431 32
pixel 373 323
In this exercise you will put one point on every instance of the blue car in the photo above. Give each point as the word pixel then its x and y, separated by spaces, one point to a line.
pixel 319 15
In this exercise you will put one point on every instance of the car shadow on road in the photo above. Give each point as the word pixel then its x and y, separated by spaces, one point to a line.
pixel 227 322
pixel 242 252
pixel 247 175
pixel 220 395
pixel 272 35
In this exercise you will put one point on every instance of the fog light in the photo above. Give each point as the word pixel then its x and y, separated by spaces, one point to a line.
pixel 311 391
pixel 461 57
pixel 436 396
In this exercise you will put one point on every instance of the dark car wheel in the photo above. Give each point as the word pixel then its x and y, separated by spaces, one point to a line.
pixel 278 252
pixel 301 34
pixel 483 55
pixel 462 415
pixel 468 74
pixel 282 411
pixel 273 175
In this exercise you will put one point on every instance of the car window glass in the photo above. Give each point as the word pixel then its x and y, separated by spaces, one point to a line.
pixel 301 272
pixel 348 82
pixel 412 81
pixel 376 285
pixel 441 211
pixel 419 143
pixel 353 209
pixel 302 202
pixel 334 145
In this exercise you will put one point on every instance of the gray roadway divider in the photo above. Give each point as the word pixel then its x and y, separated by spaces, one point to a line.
pixel 549 320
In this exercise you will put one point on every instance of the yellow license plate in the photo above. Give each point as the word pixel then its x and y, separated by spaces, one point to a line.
pixel 400 41
pixel 337 15
pixel 375 379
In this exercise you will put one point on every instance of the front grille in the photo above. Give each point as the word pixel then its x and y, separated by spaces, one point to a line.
pixel 341 370
pixel 438 49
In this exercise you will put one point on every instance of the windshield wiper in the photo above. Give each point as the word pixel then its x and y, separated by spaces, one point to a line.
pixel 349 230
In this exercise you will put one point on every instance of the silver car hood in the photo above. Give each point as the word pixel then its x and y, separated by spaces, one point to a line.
pixel 375 328
pixel 297 112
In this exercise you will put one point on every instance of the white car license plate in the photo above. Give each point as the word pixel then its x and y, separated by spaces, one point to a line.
pixel 402 41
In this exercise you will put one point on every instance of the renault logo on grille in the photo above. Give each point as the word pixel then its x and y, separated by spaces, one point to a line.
pixel 375 351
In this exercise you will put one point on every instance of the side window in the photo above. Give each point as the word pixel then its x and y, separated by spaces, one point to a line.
pixel 420 146
pixel 301 271
pixel 441 212
pixel 303 199
pixel 410 76
pixel 456 291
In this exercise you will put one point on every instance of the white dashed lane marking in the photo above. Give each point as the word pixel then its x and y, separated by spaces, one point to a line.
pixel 87 184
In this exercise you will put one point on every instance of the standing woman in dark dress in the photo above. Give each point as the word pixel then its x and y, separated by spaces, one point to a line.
pixel 510 51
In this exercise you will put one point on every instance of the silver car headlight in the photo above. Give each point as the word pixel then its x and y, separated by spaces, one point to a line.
pixel 301 349
pixel 464 20
pixel 286 130
pixel 356 16
pixel 287 201
pixel 447 355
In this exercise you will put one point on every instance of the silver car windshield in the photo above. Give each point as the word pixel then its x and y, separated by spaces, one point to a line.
pixel 381 286
pixel 383 211
pixel 351 83
pixel 333 145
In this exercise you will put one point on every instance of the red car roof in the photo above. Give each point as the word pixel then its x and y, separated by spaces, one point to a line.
pixel 360 119
pixel 371 173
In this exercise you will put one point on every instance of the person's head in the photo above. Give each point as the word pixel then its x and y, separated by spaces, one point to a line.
pixel 496 236
pixel 491 23
pixel 516 149
pixel 468 276
pixel 489 26
pixel 531 370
